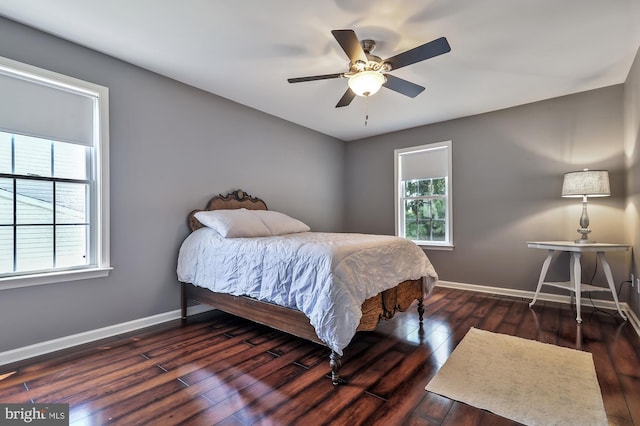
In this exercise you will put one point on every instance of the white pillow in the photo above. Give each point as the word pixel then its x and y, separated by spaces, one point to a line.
pixel 236 223
pixel 279 223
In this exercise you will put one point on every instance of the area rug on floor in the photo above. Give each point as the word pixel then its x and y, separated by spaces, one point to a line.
pixel 523 380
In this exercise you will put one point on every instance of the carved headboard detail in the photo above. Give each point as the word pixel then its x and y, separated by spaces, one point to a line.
pixel 237 199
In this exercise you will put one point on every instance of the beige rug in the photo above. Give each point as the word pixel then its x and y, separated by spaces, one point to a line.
pixel 523 380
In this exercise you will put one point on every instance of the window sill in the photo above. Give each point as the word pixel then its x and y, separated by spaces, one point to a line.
pixel 53 277
pixel 443 247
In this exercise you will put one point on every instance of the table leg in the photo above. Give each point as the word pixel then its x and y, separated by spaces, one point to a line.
pixel 612 286
pixel 577 282
pixel 572 294
pixel 543 274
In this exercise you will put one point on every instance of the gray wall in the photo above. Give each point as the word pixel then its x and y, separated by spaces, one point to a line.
pixel 172 148
pixel 507 178
pixel 632 156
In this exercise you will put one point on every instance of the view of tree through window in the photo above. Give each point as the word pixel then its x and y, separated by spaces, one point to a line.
pixel 44 204
pixel 423 194
pixel 425 205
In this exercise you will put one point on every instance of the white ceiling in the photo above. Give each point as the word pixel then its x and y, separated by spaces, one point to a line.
pixel 503 52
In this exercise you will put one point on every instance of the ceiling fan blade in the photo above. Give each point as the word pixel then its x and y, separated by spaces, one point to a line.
pixel 404 87
pixel 346 99
pixel 314 77
pixel 349 42
pixel 420 53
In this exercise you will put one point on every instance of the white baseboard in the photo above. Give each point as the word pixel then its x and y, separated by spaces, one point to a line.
pixel 633 320
pixel 53 345
pixel 524 294
pixel 66 342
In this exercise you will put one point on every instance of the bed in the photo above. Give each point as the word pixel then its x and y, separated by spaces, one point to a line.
pixel 269 268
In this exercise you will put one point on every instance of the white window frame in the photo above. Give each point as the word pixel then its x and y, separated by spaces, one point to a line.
pixel 100 170
pixel 447 244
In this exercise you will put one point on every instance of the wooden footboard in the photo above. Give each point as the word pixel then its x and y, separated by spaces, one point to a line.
pixel 380 307
pixel 384 305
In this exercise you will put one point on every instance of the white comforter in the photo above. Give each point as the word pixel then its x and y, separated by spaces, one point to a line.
pixel 327 276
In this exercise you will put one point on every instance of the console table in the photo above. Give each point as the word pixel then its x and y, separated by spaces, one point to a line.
pixel 575 283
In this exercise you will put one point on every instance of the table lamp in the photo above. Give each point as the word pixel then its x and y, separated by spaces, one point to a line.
pixel 585 183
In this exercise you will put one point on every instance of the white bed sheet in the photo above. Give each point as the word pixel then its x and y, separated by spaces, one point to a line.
pixel 327 276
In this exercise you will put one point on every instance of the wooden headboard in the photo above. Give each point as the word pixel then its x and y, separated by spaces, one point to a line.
pixel 237 199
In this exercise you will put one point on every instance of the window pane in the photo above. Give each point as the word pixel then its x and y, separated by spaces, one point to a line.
pixel 411 188
pixel 426 187
pixel 70 160
pixel 438 209
pixel 438 230
pixel 34 248
pixel 424 231
pixel 33 156
pixel 411 209
pixel 71 202
pixel 6 201
pixel 6 249
pixel 34 202
pixel 439 186
pixel 424 209
pixel 5 153
pixel 411 230
pixel 71 248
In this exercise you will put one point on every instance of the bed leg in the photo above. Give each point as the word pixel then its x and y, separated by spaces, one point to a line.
pixel 420 309
pixel 335 363
pixel 183 302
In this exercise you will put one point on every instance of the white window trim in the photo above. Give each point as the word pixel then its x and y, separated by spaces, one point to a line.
pixel 399 207
pixel 101 169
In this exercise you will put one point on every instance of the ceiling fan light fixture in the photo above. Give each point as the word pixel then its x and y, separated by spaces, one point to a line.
pixel 366 83
pixel 368 72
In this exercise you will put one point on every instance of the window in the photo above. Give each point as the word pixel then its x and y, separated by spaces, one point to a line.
pixel 423 194
pixel 54 222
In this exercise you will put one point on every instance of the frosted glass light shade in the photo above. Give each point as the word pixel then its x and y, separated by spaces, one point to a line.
pixel 366 83
pixel 590 183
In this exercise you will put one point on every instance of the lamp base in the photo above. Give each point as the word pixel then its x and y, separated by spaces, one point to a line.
pixel 585 238
pixel 584 241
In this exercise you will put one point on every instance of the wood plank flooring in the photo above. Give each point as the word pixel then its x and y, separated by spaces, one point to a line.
pixel 219 369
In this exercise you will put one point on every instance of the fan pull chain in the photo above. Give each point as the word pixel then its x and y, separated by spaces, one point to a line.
pixel 366 111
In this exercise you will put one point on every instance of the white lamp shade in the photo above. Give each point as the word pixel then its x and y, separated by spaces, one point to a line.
pixel 366 83
pixel 591 183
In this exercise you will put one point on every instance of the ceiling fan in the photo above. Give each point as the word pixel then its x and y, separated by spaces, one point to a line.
pixel 367 72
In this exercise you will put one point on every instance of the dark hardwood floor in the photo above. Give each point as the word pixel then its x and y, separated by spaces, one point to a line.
pixel 219 369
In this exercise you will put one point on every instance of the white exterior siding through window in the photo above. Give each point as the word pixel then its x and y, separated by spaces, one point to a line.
pixel 54 195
